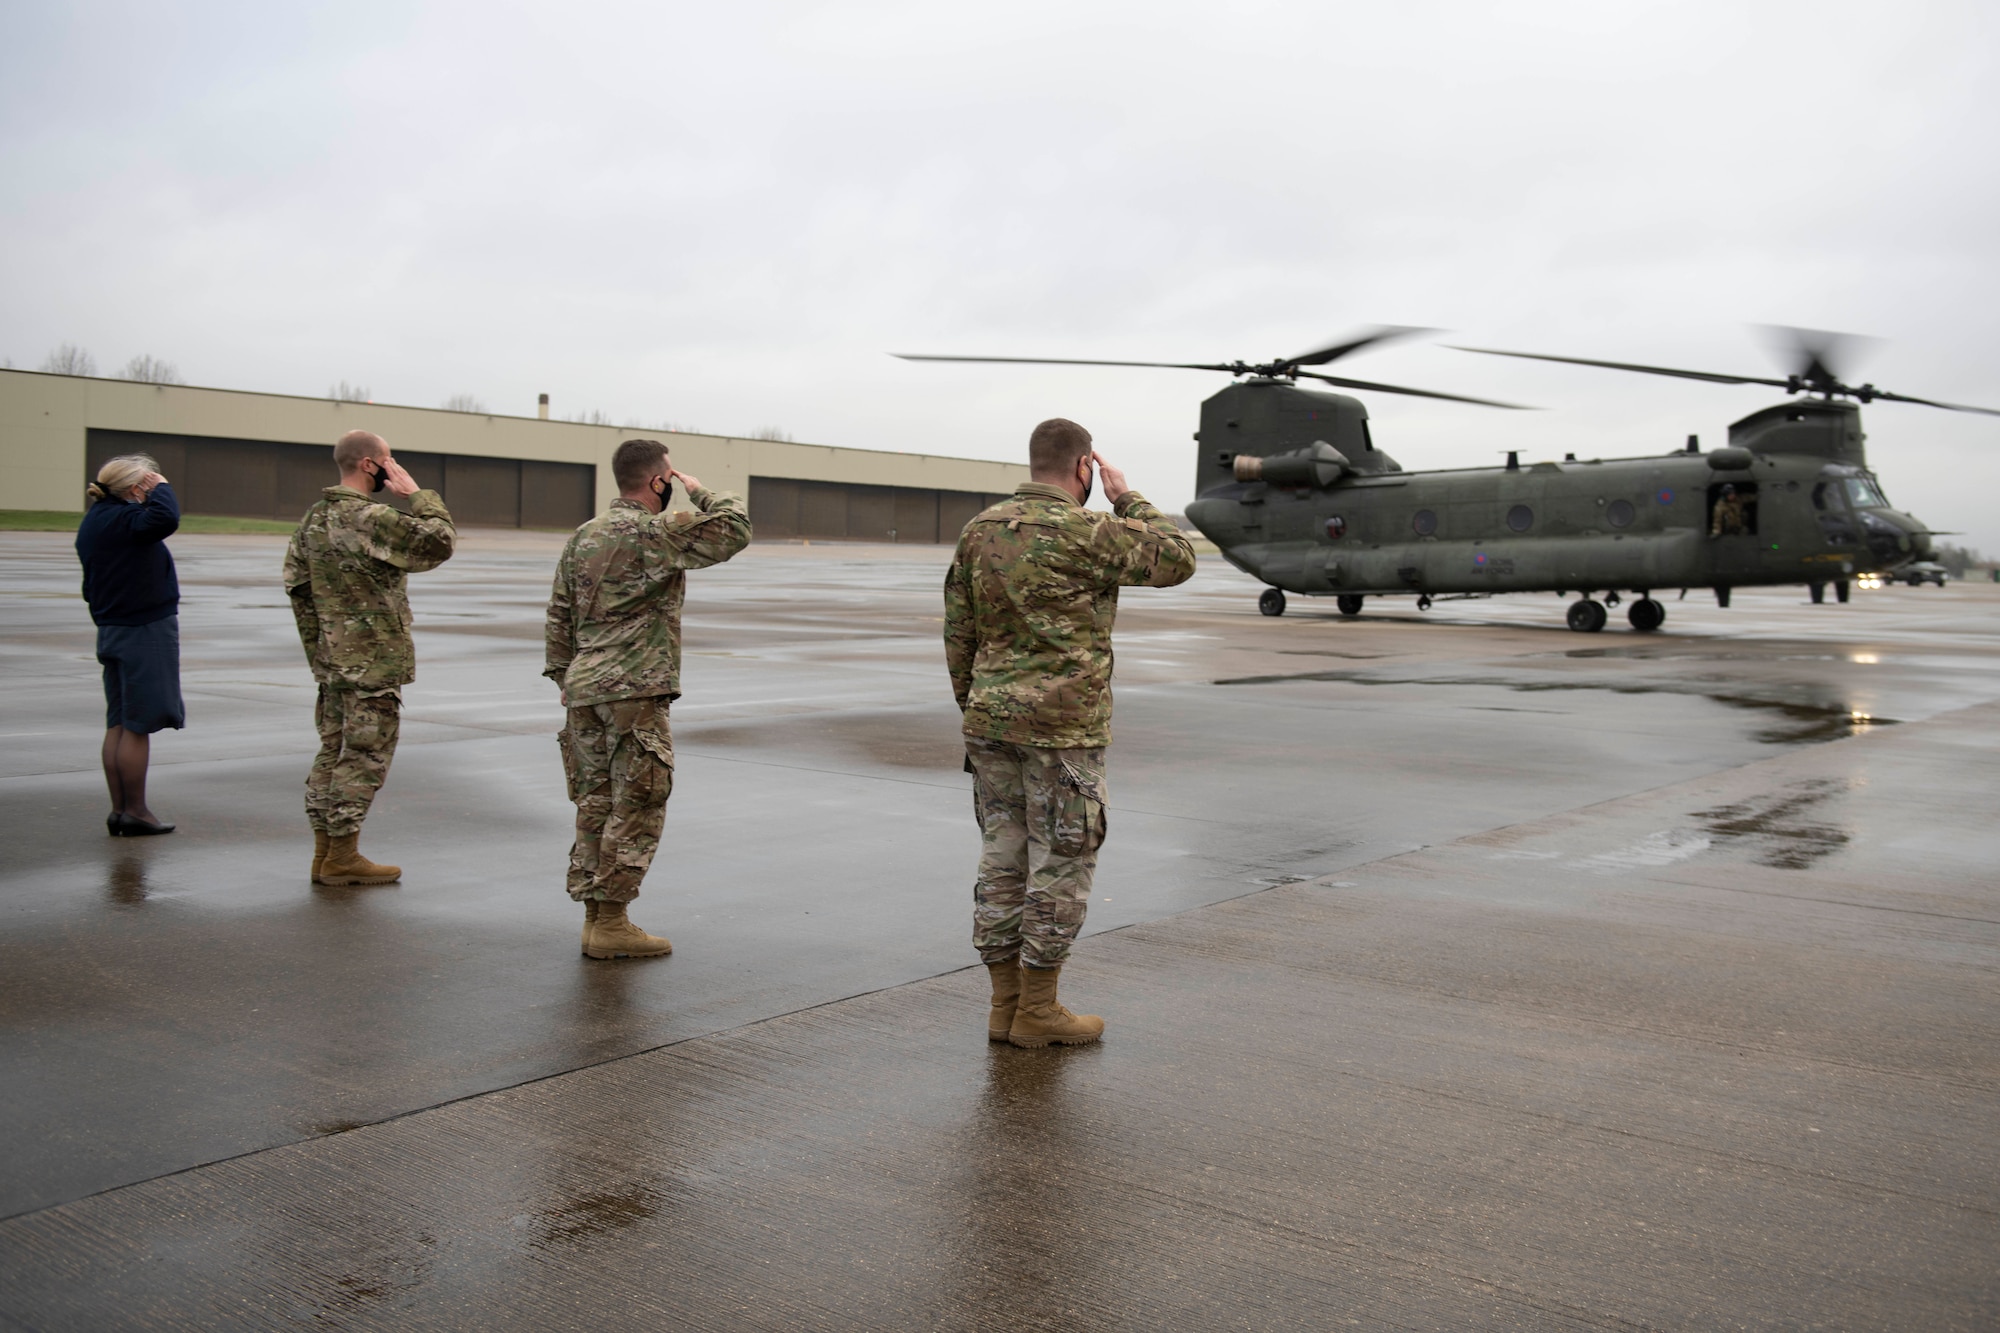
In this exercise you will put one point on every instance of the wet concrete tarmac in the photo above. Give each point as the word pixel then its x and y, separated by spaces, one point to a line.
pixel 1462 971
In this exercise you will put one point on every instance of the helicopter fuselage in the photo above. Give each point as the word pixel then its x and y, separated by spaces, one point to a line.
pixel 1804 509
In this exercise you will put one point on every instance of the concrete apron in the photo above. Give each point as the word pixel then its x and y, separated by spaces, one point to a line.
pixel 1627 1065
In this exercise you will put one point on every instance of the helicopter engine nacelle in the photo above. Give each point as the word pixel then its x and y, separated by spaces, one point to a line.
pixel 1732 459
pixel 1319 466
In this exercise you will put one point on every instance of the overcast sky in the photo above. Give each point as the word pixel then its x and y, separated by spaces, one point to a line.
pixel 725 216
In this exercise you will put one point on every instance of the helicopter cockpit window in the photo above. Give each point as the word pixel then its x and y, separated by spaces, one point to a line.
pixel 1520 518
pixel 1619 513
pixel 1865 494
pixel 1425 522
pixel 1732 509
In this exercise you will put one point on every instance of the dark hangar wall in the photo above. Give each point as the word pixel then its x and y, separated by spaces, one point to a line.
pixel 271 479
pixel 782 507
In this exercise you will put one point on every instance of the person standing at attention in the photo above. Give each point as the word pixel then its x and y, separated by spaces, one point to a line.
pixel 613 647
pixel 135 599
pixel 345 572
pixel 1029 602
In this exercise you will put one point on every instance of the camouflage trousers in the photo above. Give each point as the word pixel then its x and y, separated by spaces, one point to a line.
pixel 1041 820
pixel 357 739
pixel 619 758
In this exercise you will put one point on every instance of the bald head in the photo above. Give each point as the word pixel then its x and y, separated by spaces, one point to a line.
pixel 356 445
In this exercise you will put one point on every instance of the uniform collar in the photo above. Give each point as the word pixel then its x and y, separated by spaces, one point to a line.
pixel 620 502
pixel 342 493
pixel 1041 490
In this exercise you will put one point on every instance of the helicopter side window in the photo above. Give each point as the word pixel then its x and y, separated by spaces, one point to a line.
pixel 1619 513
pixel 1425 522
pixel 1732 509
pixel 1865 494
pixel 1834 523
pixel 1520 518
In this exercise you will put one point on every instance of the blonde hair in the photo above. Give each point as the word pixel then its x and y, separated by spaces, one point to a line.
pixel 120 475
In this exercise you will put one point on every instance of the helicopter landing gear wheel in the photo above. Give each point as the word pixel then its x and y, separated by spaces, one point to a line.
pixel 1271 601
pixel 1840 591
pixel 1586 616
pixel 1646 615
pixel 1424 602
pixel 1349 603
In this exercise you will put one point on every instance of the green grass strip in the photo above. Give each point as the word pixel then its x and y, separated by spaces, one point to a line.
pixel 56 520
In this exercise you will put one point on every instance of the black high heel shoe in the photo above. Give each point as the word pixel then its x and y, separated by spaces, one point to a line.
pixel 111 823
pixel 131 826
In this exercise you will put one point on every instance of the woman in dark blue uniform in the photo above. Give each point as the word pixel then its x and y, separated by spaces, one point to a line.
pixel 128 579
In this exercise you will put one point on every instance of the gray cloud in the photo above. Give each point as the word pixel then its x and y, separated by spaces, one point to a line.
pixel 726 216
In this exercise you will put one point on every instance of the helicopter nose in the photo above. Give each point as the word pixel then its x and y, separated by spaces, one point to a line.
pixel 1920 543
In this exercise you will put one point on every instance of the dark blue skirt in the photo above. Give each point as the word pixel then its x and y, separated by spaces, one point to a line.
pixel 142 675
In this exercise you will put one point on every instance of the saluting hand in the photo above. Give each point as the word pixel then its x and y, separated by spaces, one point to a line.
pixel 1114 480
pixel 693 484
pixel 396 480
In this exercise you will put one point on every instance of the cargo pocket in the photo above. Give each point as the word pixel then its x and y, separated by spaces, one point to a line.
pixel 1081 814
pixel 566 742
pixel 656 782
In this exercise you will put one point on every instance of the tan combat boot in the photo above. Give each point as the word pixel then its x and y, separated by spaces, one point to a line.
pixel 612 935
pixel 1040 1020
pixel 1006 995
pixel 319 853
pixel 589 922
pixel 344 864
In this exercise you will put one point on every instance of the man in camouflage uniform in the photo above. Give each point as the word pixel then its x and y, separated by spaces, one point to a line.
pixel 614 648
pixel 1029 601
pixel 345 572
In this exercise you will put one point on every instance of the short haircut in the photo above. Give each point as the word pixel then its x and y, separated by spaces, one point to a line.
pixel 119 475
pixel 634 461
pixel 1054 447
pixel 356 445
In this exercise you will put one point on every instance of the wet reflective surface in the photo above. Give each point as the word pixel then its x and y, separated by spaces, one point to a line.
pixel 1490 977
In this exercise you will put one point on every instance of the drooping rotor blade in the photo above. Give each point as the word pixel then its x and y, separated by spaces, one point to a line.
pixel 1367 338
pixel 1885 396
pixel 1062 361
pixel 1626 365
pixel 1413 393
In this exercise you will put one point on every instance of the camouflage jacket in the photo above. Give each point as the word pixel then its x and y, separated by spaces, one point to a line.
pixel 614 626
pixel 345 572
pixel 1028 606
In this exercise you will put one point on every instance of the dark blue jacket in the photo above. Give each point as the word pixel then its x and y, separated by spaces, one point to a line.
pixel 128 574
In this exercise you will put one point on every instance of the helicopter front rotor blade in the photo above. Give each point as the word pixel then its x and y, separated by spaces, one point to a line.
pixel 1817 356
pixel 1882 395
pixel 1626 365
pixel 1413 393
pixel 1367 338
pixel 1061 361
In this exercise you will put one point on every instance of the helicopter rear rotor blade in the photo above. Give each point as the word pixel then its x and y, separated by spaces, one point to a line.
pixel 1366 338
pixel 1626 365
pixel 1062 361
pixel 1885 396
pixel 1412 393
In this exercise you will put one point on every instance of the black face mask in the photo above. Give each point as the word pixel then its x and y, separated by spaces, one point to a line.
pixel 378 478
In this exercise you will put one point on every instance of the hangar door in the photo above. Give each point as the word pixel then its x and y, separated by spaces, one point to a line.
pixel 270 479
pixel 785 507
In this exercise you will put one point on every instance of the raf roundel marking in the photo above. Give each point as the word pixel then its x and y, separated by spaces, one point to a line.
pixel 1666 497
pixel 1479 558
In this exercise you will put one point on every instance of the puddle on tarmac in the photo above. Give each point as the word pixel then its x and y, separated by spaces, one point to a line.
pixel 588 1216
pixel 1781 826
pixel 924 740
pixel 1801 722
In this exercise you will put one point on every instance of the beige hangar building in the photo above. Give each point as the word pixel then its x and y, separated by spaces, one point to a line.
pixel 264 455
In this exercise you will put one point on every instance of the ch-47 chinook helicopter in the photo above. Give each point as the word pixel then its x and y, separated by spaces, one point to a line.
pixel 1291 488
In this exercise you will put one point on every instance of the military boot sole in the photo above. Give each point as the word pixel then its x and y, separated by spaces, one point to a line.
pixel 1035 1043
